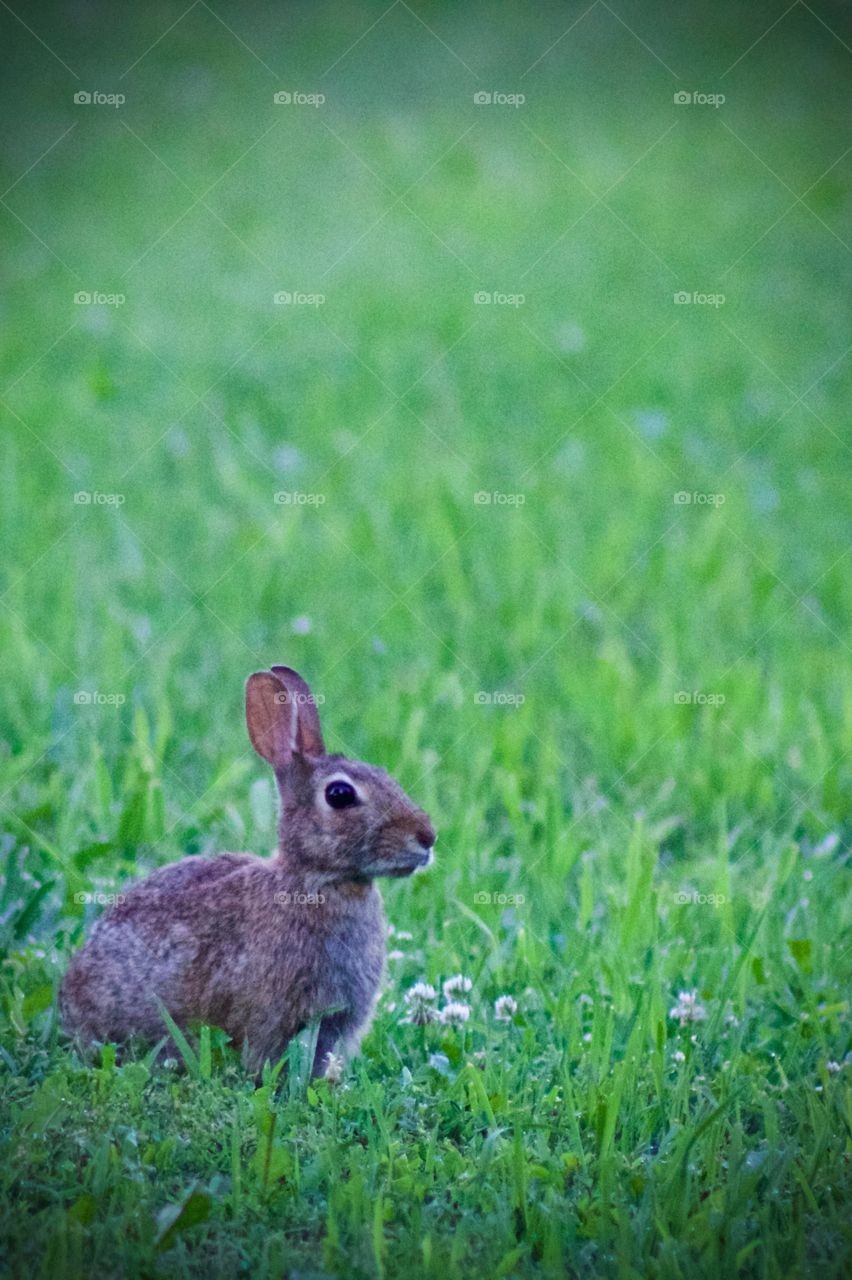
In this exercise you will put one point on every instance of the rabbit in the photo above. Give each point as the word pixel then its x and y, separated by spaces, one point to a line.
pixel 262 946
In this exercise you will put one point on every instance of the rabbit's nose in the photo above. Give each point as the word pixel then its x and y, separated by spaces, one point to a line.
pixel 425 835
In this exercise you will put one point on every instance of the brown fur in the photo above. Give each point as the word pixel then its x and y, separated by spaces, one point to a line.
pixel 261 947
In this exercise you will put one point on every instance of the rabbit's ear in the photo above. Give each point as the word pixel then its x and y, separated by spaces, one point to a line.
pixel 271 719
pixel 309 738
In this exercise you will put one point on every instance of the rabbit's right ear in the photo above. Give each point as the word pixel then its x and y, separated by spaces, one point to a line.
pixel 309 738
pixel 271 716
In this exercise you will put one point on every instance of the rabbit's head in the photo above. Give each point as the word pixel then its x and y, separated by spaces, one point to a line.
pixel 340 819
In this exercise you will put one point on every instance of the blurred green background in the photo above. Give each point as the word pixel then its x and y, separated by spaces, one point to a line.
pixel 398 398
pixel 390 405
pixel 543 670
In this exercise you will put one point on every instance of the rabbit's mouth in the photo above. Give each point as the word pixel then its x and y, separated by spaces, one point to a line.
pixel 408 868
pixel 404 864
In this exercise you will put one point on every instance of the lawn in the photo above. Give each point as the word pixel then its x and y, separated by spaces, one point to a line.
pixel 521 428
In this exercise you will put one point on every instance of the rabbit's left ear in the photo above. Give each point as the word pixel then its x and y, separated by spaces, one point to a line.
pixel 309 739
pixel 271 719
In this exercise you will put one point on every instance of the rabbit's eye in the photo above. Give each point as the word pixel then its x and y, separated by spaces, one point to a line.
pixel 340 795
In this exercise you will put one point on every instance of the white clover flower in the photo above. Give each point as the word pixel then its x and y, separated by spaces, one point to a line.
pixel 587 1038
pixel 832 1068
pixel 403 935
pixel 458 983
pixel 505 1008
pixel 455 1014
pixel 679 1056
pixel 687 1008
pixel 334 1066
pixel 396 955
pixel 421 991
pixel 421 1003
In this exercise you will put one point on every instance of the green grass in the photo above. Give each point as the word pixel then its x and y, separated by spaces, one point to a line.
pixel 645 844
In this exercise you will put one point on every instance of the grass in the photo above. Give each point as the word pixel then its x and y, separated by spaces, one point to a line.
pixel 653 794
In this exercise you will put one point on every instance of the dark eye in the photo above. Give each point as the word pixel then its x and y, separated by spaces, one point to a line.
pixel 340 795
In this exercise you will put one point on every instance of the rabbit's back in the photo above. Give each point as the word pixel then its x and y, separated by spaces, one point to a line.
pixel 152 946
pixel 233 941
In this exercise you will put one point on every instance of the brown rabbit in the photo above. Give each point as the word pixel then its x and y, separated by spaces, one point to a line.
pixel 262 946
